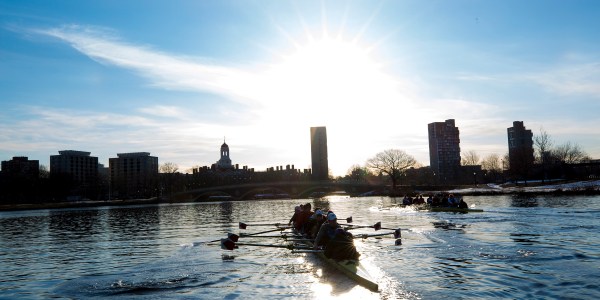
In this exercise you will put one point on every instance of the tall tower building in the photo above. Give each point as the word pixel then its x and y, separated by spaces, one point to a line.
pixel 444 150
pixel 520 147
pixel 318 150
pixel 133 175
pixel 78 165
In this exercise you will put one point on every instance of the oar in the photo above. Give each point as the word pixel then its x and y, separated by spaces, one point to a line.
pixel 376 226
pixel 257 233
pixel 243 225
pixel 267 236
pixel 288 237
pixel 230 245
pixel 397 234
pixel 308 251
pixel 235 237
pixel 232 236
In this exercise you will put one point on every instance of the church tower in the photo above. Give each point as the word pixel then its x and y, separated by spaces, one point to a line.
pixel 224 162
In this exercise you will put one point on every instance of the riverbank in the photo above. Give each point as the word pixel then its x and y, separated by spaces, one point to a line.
pixel 591 187
pixel 77 204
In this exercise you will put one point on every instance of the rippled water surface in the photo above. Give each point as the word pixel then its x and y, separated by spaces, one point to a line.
pixel 540 247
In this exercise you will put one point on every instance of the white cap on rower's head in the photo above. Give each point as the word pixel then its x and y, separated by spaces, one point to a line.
pixel 331 217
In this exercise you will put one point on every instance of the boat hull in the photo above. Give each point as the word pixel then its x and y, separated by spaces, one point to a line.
pixel 353 269
pixel 452 209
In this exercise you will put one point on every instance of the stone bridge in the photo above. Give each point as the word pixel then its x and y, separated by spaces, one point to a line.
pixel 277 190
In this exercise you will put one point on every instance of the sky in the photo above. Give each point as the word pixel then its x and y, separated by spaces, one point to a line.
pixel 177 78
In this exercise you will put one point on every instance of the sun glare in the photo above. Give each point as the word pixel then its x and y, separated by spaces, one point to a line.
pixel 328 82
pixel 327 73
pixel 329 65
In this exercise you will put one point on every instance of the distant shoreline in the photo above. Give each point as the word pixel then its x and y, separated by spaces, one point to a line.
pixel 77 204
pixel 592 189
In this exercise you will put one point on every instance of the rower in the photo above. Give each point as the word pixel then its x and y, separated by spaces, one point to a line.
pixel 327 230
pixel 303 216
pixel 341 246
pixel 452 202
pixel 462 203
pixel 297 210
pixel 312 226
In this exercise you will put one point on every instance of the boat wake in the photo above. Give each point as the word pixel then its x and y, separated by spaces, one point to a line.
pixel 192 271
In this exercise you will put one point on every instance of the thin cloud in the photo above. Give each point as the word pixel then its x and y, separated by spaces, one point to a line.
pixel 580 79
pixel 179 138
pixel 163 70
pixel 164 111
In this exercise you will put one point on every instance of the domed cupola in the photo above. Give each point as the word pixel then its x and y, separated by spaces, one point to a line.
pixel 224 162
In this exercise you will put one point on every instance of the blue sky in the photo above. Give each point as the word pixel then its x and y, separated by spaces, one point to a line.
pixel 175 77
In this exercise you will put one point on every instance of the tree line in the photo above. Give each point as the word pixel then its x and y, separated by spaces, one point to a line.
pixel 550 160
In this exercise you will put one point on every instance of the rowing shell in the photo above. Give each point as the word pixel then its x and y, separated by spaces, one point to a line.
pixel 452 209
pixel 351 268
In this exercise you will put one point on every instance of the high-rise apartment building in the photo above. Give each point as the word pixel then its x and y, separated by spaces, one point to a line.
pixel 444 151
pixel 77 165
pixel 318 150
pixel 21 167
pixel 133 175
pixel 520 147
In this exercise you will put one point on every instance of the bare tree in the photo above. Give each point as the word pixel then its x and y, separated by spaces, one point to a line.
pixel 168 177
pixel 491 163
pixel 543 142
pixel 169 168
pixel 44 173
pixel 569 153
pixel 391 162
pixel 356 172
pixel 470 158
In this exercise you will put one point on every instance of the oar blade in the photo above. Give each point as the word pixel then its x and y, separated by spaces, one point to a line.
pixel 398 242
pixel 232 236
pixel 377 226
pixel 227 244
pixel 349 219
pixel 397 233
pixel 242 225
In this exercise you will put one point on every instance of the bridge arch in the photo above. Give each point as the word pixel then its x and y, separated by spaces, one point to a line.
pixel 265 193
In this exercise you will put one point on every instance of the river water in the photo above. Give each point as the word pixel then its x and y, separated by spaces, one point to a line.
pixel 543 247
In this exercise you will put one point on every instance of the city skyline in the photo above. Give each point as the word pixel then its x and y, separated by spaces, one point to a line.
pixel 174 78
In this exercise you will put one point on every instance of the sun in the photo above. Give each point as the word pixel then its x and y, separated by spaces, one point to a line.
pixel 325 76
pixel 329 65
